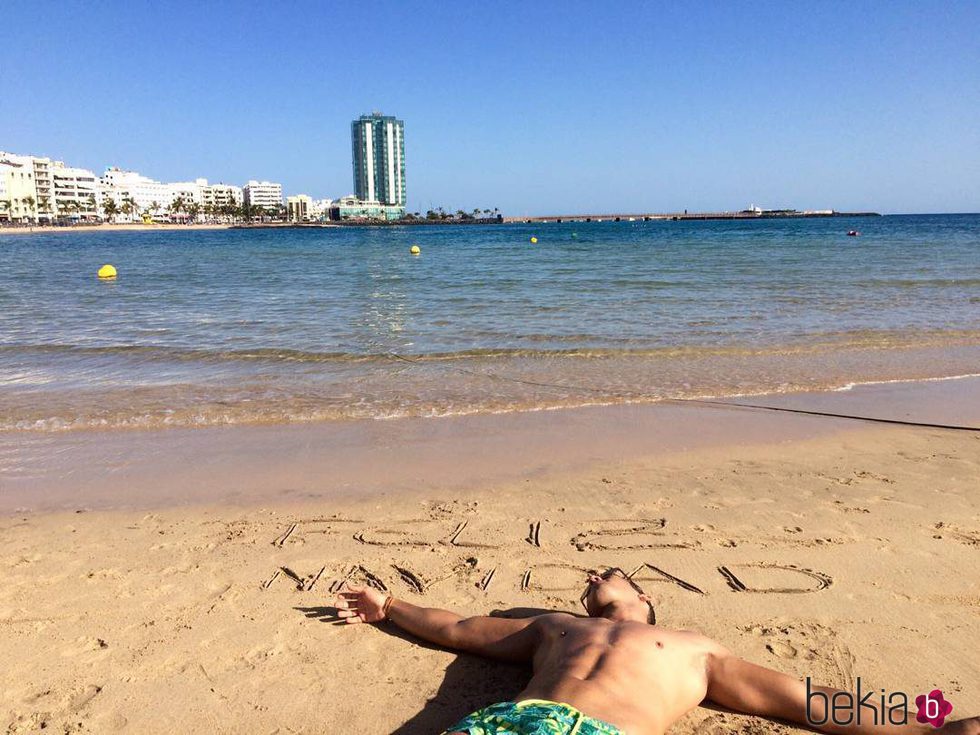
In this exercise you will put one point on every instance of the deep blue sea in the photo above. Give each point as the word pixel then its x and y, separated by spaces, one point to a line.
pixel 259 326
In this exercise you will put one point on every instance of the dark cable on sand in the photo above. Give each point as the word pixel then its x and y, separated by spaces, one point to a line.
pixel 702 401
pixel 900 422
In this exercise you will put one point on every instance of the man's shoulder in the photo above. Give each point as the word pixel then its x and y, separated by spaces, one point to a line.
pixel 537 619
pixel 550 619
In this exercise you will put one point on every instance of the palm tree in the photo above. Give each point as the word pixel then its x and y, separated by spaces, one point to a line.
pixel 177 206
pixel 193 209
pixel 29 203
pixel 110 208
pixel 65 207
pixel 90 204
pixel 5 206
pixel 129 206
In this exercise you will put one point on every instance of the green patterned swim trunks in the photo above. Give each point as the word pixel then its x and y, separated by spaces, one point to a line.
pixel 532 717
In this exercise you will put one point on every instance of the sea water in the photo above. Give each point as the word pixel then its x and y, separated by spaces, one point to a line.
pixel 283 325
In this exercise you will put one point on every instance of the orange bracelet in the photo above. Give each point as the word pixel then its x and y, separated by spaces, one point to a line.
pixel 387 605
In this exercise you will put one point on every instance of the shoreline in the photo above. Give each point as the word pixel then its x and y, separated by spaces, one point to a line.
pixel 252 464
pixel 685 216
pixel 447 386
pixel 852 545
pixel 539 219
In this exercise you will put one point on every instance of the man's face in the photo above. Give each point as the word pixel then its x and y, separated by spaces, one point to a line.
pixel 614 587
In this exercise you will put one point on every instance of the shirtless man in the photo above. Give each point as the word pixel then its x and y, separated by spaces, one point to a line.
pixel 615 672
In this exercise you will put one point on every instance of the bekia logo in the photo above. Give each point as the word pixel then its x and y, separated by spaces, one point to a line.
pixel 873 707
pixel 933 708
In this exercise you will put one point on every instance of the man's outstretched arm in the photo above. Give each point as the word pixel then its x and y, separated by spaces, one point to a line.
pixel 506 639
pixel 755 690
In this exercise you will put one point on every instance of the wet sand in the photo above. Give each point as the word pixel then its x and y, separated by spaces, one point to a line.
pixel 180 581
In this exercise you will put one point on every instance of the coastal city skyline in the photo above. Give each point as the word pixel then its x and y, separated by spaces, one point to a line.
pixel 39 189
pixel 646 108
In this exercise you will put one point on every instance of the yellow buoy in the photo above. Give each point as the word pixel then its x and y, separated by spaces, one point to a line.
pixel 534 240
pixel 107 271
pixel 415 250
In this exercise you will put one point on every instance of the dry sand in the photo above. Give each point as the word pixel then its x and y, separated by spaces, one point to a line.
pixel 851 553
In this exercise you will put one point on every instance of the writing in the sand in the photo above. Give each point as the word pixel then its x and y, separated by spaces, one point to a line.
pixel 546 557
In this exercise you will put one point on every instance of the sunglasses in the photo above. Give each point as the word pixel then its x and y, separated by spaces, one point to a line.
pixel 617 572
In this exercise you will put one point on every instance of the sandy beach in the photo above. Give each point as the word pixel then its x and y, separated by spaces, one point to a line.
pixel 108 227
pixel 827 548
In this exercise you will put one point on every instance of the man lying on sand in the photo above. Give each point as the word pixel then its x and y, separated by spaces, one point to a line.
pixel 615 672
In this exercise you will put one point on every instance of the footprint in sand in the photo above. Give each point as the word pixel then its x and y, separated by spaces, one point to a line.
pixel 84 644
pixel 703 528
pixel 865 475
pixel 110 722
pixel 792 529
pixel 783 649
pixel 839 505
pixel 963 535
pixel 36 697
pixel 29 723
pixel 827 657
pixel 82 697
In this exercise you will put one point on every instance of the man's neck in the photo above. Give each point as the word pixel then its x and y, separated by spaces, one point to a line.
pixel 617 612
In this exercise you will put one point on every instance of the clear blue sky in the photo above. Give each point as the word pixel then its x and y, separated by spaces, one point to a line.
pixel 532 107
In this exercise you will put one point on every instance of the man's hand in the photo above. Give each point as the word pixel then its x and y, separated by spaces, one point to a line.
pixel 361 605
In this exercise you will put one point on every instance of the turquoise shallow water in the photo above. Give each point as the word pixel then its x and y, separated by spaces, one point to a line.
pixel 265 326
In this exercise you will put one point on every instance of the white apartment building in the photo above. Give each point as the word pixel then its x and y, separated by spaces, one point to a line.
pixel 77 192
pixel 43 184
pixel 28 191
pixel 298 208
pixel 16 189
pixel 263 194
pixel 221 195
pixel 320 209
pixel 190 192
pixel 135 191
